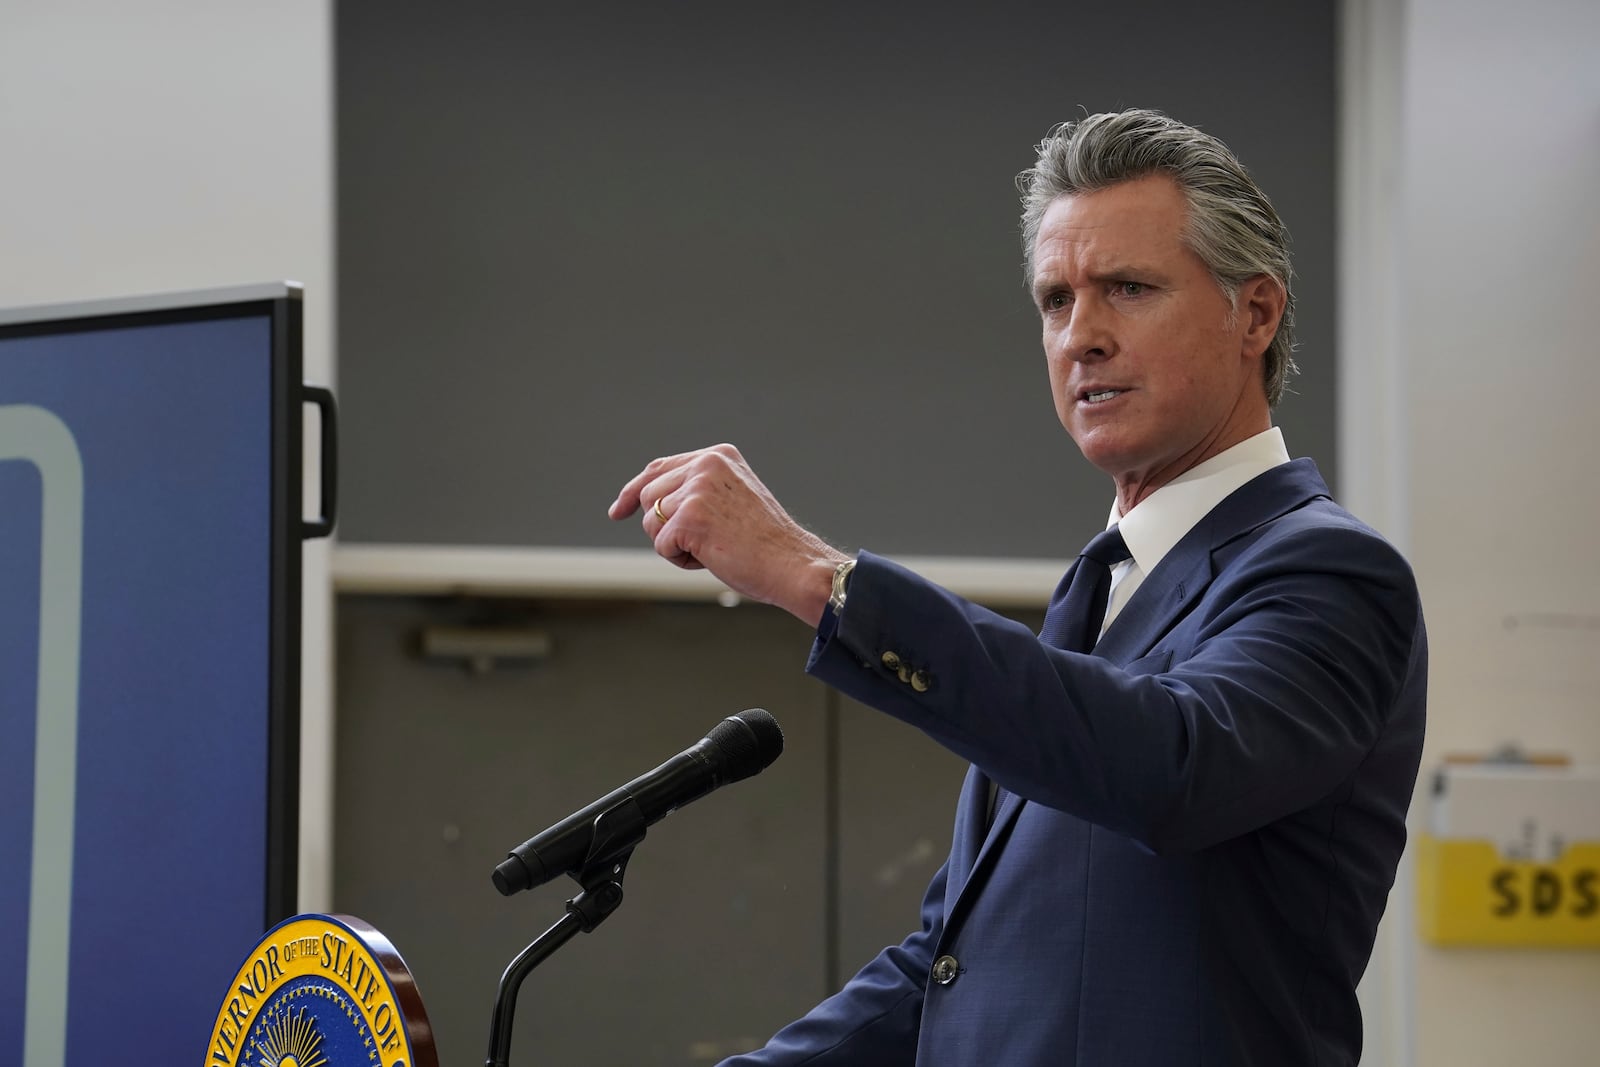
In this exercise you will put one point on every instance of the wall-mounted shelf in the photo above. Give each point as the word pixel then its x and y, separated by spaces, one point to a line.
pixel 621 573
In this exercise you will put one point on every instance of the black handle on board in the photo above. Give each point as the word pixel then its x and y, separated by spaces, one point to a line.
pixel 322 525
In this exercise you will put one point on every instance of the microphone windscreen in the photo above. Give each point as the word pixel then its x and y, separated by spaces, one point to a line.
pixel 745 743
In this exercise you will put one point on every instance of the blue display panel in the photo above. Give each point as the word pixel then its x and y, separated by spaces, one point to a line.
pixel 135 836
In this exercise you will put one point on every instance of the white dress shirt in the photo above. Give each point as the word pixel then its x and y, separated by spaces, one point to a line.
pixel 1160 520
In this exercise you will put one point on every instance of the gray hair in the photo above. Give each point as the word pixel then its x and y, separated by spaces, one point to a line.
pixel 1231 225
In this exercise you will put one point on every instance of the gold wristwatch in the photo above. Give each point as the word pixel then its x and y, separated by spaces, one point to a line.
pixel 841 576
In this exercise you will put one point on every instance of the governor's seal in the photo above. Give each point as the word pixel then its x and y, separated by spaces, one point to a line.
pixel 322 991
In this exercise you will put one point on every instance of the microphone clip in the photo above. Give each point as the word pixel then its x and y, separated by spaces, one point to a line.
pixel 617 832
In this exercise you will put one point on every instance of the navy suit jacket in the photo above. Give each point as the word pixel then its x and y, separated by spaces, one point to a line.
pixel 1204 815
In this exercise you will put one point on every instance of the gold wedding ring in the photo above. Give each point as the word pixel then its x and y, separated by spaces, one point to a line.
pixel 659 513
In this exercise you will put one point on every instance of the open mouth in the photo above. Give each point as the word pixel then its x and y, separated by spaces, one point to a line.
pixel 1099 396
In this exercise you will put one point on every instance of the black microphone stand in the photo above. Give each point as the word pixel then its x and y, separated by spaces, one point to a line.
pixel 617 830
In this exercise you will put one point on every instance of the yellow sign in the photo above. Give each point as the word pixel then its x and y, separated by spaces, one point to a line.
pixel 1470 893
pixel 322 991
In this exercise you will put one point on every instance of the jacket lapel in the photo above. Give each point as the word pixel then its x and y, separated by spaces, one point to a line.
pixel 1159 602
pixel 981 844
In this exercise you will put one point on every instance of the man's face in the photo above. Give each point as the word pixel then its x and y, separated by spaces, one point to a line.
pixel 1151 369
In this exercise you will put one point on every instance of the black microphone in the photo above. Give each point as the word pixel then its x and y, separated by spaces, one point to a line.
pixel 736 748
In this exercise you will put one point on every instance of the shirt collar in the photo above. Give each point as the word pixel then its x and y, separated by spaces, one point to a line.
pixel 1159 521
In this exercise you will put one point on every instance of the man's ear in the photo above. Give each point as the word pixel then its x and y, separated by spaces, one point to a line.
pixel 1261 301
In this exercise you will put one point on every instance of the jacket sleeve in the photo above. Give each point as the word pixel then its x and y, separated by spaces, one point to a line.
pixel 874 1019
pixel 1288 667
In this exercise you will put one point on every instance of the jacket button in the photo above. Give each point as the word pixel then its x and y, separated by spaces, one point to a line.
pixel 919 681
pixel 945 969
pixel 891 660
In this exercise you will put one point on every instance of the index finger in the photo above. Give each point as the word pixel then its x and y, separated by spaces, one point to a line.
pixel 627 501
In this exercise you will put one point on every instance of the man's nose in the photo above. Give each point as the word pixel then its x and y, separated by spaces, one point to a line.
pixel 1088 336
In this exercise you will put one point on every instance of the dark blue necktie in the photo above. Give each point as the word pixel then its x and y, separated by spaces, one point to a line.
pixel 1078 607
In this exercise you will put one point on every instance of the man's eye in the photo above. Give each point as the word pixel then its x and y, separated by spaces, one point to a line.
pixel 1055 301
pixel 1132 288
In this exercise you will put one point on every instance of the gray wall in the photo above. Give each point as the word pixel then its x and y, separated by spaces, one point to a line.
pixel 573 239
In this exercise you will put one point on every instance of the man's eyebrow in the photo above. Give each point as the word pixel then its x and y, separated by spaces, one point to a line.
pixel 1119 272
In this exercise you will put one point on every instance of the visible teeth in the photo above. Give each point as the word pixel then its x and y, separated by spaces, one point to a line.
pixel 1095 398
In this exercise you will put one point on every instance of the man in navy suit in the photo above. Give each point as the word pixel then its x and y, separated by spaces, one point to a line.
pixel 1188 791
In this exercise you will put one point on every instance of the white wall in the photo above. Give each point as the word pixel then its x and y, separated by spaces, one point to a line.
pixel 180 144
pixel 1470 328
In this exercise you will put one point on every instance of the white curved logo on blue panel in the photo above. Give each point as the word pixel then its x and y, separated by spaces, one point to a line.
pixel 31 433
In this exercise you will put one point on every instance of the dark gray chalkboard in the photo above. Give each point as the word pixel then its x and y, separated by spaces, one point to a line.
pixel 574 238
